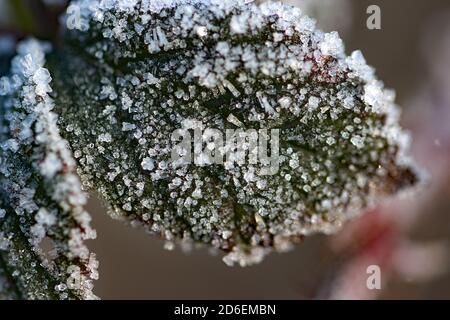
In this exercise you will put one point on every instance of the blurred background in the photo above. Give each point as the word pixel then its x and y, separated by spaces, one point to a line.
pixel 408 238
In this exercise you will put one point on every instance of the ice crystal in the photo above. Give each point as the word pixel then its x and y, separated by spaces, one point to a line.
pixel 40 193
pixel 140 70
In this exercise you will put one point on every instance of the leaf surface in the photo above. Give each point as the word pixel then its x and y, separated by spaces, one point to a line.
pixel 43 225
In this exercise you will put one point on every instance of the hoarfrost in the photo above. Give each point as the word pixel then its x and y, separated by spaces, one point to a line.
pixel 40 193
pixel 194 64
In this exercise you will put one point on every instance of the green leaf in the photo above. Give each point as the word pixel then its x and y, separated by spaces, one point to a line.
pixel 40 194
pixel 131 73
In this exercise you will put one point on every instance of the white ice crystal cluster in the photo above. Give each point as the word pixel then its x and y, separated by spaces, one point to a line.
pixel 330 14
pixel 139 70
pixel 40 193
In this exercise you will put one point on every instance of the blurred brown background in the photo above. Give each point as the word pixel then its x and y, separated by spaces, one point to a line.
pixel 134 265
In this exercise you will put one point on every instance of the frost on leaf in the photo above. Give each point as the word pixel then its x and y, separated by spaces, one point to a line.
pixel 139 70
pixel 40 194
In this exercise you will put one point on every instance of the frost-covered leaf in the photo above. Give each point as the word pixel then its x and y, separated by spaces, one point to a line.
pixel 40 194
pixel 133 72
